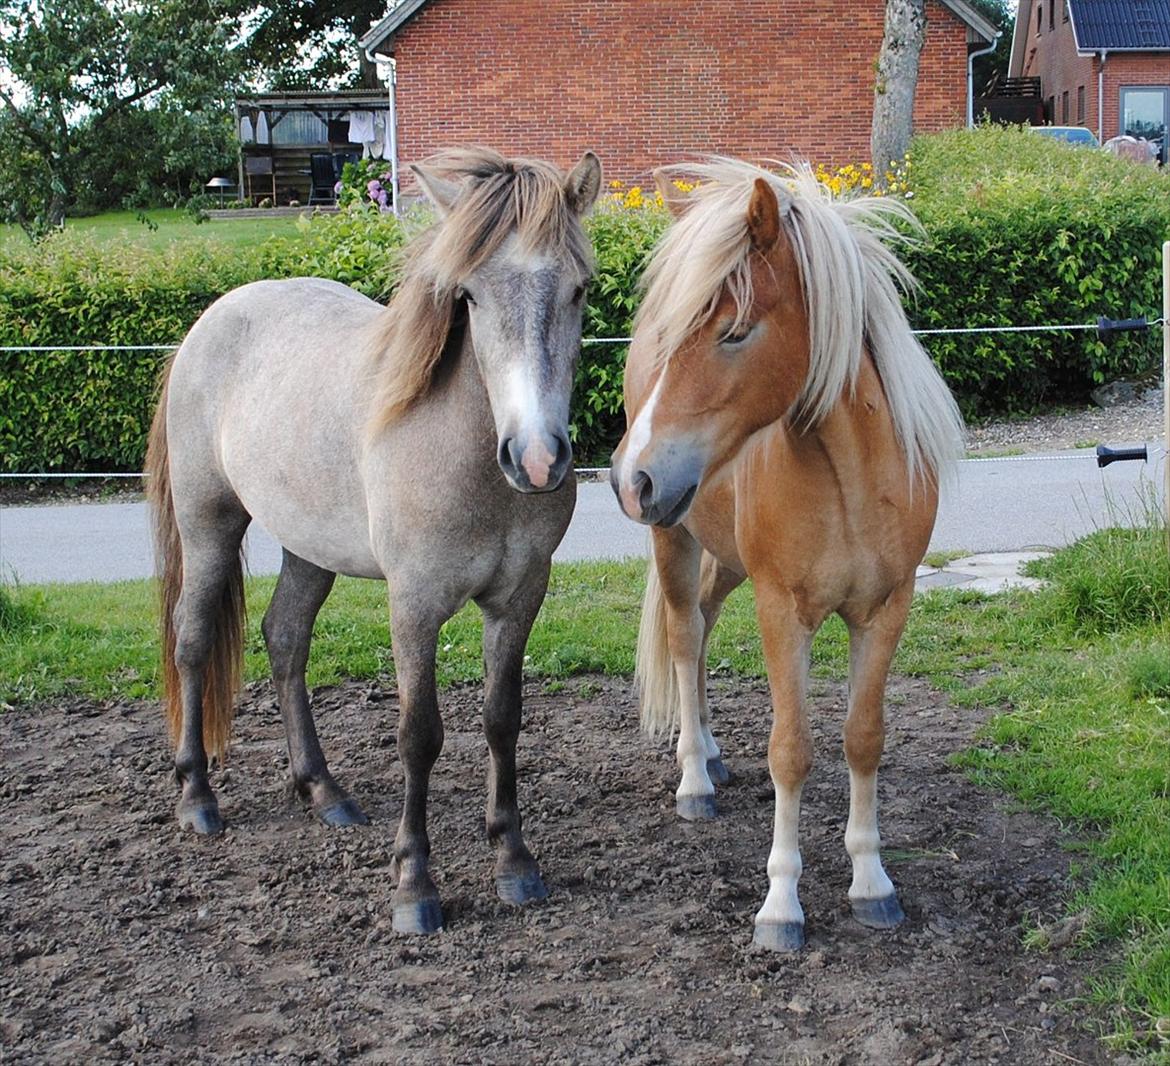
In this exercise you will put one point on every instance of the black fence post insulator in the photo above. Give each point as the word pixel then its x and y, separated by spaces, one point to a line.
pixel 1107 455
pixel 1106 327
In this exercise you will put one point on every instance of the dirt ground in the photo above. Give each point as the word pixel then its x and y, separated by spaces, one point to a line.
pixel 121 939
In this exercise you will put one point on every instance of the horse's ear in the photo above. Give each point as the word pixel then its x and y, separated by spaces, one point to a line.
pixel 763 217
pixel 441 191
pixel 583 184
pixel 676 199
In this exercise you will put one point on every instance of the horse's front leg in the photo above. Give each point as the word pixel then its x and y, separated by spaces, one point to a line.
pixel 414 632
pixel 787 641
pixel 506 625
pixel 716 583
pixel 871 648
pixel 676 557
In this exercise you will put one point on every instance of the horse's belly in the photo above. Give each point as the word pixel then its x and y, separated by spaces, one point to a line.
pixel 342 546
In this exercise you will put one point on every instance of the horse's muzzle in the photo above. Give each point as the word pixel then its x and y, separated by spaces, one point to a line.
pixel 537 463
pixel 654 502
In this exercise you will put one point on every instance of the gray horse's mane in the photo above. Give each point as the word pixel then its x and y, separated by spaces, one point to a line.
pixel 500 197
pixel 852 285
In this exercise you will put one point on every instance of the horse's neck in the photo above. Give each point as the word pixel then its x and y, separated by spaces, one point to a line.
pixel 858 432
pixel 457 388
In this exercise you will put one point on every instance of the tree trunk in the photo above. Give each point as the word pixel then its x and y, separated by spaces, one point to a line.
pixel 897 80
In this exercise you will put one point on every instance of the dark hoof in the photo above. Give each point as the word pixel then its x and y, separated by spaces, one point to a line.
pixel 204 820
pixel 696 808
pixel 520 888
pixel 718 772
pixel 422 918
pixel 779 936
pixel 885 913
pixel 346 812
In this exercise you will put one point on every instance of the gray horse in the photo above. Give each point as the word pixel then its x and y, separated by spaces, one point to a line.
pixel 424 443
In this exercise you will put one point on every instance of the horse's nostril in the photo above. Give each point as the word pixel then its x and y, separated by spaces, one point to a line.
pixel 644 487
pixel 507 457
pixel 564 453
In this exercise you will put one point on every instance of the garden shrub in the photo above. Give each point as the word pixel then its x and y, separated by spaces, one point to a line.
pixel 1019 229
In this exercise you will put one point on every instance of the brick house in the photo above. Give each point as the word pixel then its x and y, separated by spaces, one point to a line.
pixel 648 82
pixel 1102 64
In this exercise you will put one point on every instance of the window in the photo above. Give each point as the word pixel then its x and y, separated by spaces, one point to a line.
pixel 1052 14
pixel 299 127
pixel 1050 111
pixel 1080 105
pixel 1145 112
pixel 1064 108
pixel 1040 16
pixel 1064 11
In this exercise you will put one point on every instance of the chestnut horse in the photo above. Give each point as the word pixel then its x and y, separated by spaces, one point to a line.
pixel 425 444
pixel 783 426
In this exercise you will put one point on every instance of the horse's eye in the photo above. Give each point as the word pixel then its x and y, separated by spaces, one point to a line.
pixel 578 292
pixel 736 336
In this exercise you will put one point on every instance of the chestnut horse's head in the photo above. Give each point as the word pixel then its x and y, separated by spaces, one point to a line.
pixel 757 306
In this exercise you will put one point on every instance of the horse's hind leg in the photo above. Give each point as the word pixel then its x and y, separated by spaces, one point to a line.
pixel 872 643
pixel 210 561
pixel 716 583
pixel 288 629
pixel 505 635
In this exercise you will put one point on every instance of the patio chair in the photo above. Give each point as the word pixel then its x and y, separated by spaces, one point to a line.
pixel 322 177
pixel 260 173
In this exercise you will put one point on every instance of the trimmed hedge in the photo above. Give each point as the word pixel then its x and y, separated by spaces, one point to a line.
pixel 1020 230
pixel 1024 230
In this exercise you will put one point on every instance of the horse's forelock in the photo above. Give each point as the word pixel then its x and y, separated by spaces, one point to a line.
pixel 502 197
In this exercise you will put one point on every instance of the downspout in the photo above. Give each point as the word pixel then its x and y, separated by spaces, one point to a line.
pixel 392 122
pixel 971 56
pixel 1101 97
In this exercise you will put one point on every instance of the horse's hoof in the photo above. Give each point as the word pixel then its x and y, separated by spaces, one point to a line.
pixel 696 808
pixel 884 913
pixel 204 819
pixel 520 888
pixel 718 772
pixel 422 918
pixel 345 812
pixel 779 936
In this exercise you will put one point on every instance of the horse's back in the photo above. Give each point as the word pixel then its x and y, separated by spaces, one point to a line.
pixel 268 399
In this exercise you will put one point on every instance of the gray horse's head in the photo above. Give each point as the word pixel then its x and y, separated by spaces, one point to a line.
pixel 511 246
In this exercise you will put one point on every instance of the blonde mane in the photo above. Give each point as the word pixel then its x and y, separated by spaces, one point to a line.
pixel 852 284
pixel 500 197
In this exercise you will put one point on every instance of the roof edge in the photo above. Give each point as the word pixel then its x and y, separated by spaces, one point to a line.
pixel 404 10
pixel 973 19
pixel 398 15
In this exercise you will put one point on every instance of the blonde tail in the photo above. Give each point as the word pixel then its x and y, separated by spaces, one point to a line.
pixel 222 678
pixel 654 677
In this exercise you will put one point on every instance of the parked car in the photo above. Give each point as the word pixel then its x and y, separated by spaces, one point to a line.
pixel 1077 135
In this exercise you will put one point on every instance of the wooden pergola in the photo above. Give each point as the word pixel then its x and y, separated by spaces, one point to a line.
pixel 291 155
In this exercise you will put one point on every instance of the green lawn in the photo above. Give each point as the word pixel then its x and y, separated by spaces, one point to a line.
pixel 1079 671
pixel 164 226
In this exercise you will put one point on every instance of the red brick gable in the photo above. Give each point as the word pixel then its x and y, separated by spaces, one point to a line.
pixel 651 81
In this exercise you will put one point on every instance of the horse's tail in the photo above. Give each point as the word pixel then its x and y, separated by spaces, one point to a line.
pixel 654 676
pixel 221 679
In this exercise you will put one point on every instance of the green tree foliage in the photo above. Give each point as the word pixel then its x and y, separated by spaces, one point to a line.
pixel 306 45
pixel 83 77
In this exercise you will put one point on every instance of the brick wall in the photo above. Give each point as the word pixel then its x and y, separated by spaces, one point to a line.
pixel 1051 56
pixel 649 82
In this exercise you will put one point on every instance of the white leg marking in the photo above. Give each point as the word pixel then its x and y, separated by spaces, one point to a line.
pixel 863 842
pixel 692 746
pixel 784 865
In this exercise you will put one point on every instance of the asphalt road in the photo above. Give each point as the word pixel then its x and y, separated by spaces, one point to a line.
pixel 1010 504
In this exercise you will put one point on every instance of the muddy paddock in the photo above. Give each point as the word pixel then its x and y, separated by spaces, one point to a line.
pixel 121 939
